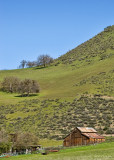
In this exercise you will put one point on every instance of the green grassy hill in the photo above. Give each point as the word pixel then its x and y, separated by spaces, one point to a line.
pixel 100 46
pixel 69 89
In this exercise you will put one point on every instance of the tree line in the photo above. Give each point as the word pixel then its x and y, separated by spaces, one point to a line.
pixel 18 141
pixel 24 87
pixel 42 60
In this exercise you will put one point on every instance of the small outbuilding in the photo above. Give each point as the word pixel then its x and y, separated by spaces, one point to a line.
pixel 82 136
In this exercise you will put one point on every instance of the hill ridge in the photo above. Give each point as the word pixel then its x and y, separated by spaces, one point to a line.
pixel 78 52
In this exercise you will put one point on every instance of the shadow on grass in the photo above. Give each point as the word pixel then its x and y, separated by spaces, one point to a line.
pixel 41 67
pixel 25 95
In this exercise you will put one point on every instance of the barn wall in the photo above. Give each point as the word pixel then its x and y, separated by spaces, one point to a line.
pixel 76 138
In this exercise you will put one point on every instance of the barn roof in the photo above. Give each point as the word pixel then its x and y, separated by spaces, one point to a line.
pixel 93 135
pixel 87 130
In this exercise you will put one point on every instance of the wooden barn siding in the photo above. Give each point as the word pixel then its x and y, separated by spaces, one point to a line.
pixel 76 138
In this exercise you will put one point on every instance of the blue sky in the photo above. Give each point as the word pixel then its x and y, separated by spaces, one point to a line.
pixel 29 28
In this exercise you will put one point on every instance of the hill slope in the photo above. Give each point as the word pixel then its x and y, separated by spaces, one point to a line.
pixel 86 70
pixel 99 46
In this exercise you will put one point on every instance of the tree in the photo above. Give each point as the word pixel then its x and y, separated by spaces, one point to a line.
pixel 23 64
pixel 44 60
pixel 30 64
pixel 28 86
pixel 15 85
pixel 25 140
pixel 3 135
pixel 4 143
pixel 10 84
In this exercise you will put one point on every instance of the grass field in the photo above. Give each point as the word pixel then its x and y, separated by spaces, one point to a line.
pixel 64 81
pixel 50 143
pixel 104 151
pixel 88 68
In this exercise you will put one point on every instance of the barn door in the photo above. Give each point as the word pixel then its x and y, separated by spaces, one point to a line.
pixel 79 141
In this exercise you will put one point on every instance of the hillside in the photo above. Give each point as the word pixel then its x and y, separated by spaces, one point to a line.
pixel 99 46
pixel 72 92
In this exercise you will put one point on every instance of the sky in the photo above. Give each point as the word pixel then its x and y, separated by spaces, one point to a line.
pixel 29 28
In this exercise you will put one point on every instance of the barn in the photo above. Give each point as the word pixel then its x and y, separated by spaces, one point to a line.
pixel 82 136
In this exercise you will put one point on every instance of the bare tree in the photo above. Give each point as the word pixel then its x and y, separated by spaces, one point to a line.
pixel 44 60
pixel 30 64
